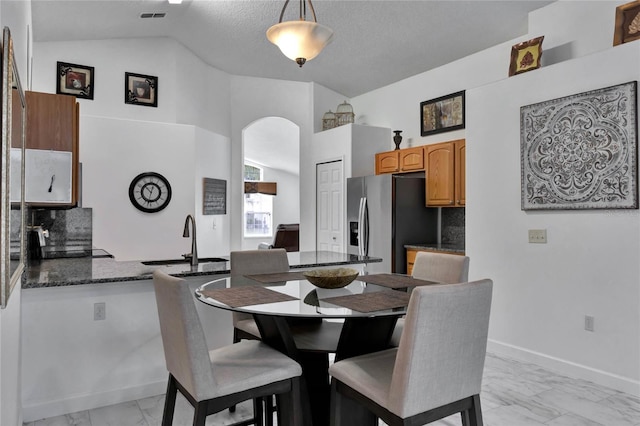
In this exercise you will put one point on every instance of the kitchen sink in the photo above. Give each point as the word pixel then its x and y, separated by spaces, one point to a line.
pixel 179 261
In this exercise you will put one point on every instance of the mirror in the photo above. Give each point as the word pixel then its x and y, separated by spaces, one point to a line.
pixel 12 211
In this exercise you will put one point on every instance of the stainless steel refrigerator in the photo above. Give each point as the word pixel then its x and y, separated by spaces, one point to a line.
pixel 386 212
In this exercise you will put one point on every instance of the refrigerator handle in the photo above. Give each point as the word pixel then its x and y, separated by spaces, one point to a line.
pixel 365 227
pixel 360 227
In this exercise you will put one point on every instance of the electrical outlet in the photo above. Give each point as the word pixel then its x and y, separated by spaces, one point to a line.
pixel 589 323
pixel 538 236
pixel 99 311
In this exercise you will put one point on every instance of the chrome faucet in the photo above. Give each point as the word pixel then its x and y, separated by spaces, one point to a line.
pixel 194 246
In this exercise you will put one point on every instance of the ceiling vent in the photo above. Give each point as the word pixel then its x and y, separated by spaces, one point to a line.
pixel 153 15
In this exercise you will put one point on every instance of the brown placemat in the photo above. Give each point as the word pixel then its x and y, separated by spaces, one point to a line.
pixel 276 277
pixel 371 302
pixel 236 297
pixel 394 280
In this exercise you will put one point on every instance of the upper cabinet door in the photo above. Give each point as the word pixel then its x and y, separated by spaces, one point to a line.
pixel 52 125
pixel 411 159
pixel 387 162
pixel 440 174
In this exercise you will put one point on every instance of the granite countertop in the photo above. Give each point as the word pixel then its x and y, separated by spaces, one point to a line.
pixel 455 248
pixel 87 270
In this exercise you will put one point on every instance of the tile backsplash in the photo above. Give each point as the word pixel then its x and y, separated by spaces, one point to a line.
pixel 452 230
pixel 69 229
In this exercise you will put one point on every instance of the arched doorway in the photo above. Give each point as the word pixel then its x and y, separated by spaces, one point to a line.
pixel 271 149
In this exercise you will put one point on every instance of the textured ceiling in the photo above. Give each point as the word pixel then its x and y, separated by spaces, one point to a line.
pixel 376 43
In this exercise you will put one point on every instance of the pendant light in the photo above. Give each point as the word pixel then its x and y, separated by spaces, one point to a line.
pixel 300 40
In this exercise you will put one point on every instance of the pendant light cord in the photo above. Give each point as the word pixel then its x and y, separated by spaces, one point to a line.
pixel 303 10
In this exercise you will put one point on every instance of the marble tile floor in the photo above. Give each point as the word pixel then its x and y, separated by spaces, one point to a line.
pixel 513 394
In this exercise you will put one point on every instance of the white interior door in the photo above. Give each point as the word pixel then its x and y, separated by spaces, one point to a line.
pixel 330 207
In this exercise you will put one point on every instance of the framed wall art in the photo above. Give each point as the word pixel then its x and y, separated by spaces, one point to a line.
pixel 525 56
pixel 581 151
pixel 140 89
pixel 214 199
pixel 442 114
pixel 627 26
pixel 75 80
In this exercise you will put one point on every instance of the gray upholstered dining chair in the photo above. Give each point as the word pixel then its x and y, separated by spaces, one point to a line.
pixel 436 370
pixel 440 267
pixel 250 262
pixel 215 380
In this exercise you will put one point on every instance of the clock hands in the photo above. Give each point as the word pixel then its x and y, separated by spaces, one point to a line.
pixel 53 177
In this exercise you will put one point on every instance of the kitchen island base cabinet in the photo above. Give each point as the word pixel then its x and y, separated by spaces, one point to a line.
pixel 411 256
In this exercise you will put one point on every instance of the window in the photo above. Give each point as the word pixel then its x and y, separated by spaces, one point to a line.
pixel 258 208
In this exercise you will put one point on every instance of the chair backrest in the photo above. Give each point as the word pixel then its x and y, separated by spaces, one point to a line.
pixel 442 267
pixel 185 348
pixel 443 346
pixel 248 262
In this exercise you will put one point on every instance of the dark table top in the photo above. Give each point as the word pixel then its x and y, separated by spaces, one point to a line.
pixel 306 300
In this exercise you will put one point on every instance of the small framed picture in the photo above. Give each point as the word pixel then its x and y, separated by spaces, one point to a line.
pixel 525 56
pixel 627 23
pixel 75 80
pixel 140 89
pixel 442 114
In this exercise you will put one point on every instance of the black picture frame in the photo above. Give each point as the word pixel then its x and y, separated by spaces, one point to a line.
pixel 442 114
pixel 75 80
pixel 140 89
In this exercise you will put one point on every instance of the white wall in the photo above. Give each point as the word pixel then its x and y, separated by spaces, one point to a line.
pixel 16 16
pixel 91 363
pixel 213 160
pixel 118 141
pixel 589 266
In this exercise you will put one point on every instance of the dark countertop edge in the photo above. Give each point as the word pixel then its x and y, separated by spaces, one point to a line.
pixel 33 285
pixel 27 285
pixel 436 247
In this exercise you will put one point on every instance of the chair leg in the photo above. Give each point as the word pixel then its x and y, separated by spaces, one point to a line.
pixel 169 402
pixel 289 406
pixel 268 410
pixel 200 415
pixel 258 413
pixel 473 416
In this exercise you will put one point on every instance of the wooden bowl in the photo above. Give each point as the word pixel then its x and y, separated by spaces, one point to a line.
pixel 331 278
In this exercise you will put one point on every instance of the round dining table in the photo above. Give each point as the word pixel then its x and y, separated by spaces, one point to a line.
pixel 308 323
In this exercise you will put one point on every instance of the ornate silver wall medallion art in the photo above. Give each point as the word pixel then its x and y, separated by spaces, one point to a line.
pixel 580 151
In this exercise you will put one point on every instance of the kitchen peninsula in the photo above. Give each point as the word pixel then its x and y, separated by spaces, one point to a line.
pixel 88 270
pixel 98 316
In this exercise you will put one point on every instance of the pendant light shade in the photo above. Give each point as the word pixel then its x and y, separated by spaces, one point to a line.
pixel 300 40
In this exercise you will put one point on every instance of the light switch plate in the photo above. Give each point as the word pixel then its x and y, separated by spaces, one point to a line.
pixel 538 236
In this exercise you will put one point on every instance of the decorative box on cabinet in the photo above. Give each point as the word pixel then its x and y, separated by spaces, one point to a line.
pixel 52 131
pixel 445 173
pixel 400 160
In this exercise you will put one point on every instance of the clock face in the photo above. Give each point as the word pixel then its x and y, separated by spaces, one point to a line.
pixel 150 192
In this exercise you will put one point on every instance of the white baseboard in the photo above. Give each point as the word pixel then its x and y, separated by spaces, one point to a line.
pixel 36 410
pixel 567 368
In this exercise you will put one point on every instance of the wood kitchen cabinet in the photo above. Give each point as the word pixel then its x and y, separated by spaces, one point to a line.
pixel 53 130
pixel 400 160
pixel 445 173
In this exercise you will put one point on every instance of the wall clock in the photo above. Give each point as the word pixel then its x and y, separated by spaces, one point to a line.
pixel 150 192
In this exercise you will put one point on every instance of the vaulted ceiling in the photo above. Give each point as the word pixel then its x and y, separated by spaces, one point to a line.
pixel 375 43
